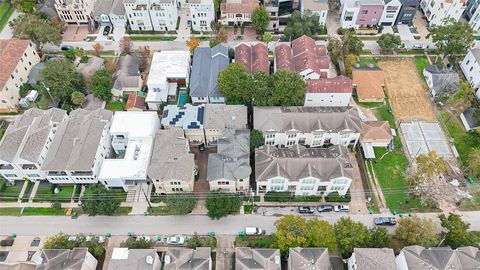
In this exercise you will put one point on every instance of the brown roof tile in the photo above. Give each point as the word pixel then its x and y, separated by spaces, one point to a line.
pixel 369 83
pixel 340 84
pixel 283 57
pixel 253 58
pixel 376 130
pixel 11 50
pixel 245 6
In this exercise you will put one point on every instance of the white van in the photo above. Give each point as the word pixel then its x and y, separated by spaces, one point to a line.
pixel 254 231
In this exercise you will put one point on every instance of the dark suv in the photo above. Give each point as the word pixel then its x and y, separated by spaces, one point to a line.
pixel 325 208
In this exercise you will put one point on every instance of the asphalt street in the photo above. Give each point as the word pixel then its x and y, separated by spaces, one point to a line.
pixel 150 225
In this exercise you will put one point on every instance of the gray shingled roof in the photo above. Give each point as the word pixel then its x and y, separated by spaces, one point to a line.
pixel 221 116
pixel 476 54
pixel 171 158
pixel 443 79
pixel 109 7
pixel 207 63
pixel 136 260
pixel 307 119
pixel 191 259
pixel 26 136
pixel 76 141
pixel 232 160
pixel 298 162
pixel 375 258
pixel 309 259
pixel 419 258
pixel 127 74
pixel 61 259
pixel 35 75
pixel 257 259
pixel 469 115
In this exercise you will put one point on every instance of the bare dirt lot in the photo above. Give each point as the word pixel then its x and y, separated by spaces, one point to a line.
pixel 406 91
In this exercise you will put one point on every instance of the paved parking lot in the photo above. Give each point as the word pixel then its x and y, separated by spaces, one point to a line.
pixel 75 33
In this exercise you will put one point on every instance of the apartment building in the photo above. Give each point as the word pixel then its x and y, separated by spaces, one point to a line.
pixel 78 148
pixel 75 11
pixel 202 13
pixel 172 166
pixel 470 66
pixel 437 11
pixel 152 15
pixel 303 171
pixel 219 117
pixel 317 7
pixel 207 64
pixel 237 11
pixel 131 136
pixel 18 58
pixel 311 126
pixel 138 14
pixel 390 12
pixel 328 92
pixel 169 71
pixel 229 169
pixel 26 141
pixel 472 14
pixel 361 13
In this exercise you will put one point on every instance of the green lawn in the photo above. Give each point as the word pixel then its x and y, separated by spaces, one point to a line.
pixel 365 61
pixel 473 204
pixel 421 63
pixel 10 193
pixel 248 208
pixel 10 211
pixel 464 141
pixel 118 193
pixel 42 103
pixel 5 13
pixel 2 131
pixel 114 106
pixel 37 211
pixel 123 211
pixel 266 241
pixel 153 38
pixel 160 211
pixel 44 193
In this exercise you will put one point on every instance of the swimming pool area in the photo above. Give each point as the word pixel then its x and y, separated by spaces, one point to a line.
pixel 182 97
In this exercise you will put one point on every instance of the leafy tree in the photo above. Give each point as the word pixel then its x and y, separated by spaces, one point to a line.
pixel 61 241
pixel 457 234
pixel 56 205
pixel 335 49
pixel 100 201
pixel 334 4
pixel 431 164
pixel 267 37
pixel 222 35
pixel 77 98
pixel 193 43
pixel 137 243
pixel 320 233
pixel 350 234
pixel 302 24
pixel 288 89
pixel 350 60
pixel 38 30
pixel 416 231
pixel 291 232
pixel 26 6
pixel 126 45
pixel 220 204
pixel 473 166
pixel 262 90
pixel 145 53
pixel 194 241
pixel 70 54
pixel 256 139
pixel 351 43
pixel 452 38
pixel 101 84
pixel 24 89
pixel 235 84
pixel 97 49
pixel 216 5
pixel 389 42
pixel 463 99
pixel 260 19
pixel 340 48
pixel 181 204
pixel 61 78
pixel 379 237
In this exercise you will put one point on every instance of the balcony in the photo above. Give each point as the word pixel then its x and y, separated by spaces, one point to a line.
pixel 80 173
pixel 6 167
pixel 57 173
pixel 29 166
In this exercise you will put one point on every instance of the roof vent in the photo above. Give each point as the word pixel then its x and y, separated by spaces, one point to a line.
pixel 149 259
pixel 167 259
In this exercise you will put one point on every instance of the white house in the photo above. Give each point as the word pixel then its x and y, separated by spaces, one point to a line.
pixel 237 11
pixel 138 14
pixel 390 12
pixel 78 148
pixel 132 134
pixel 441 81
pixel 18 58
pixel 436 11
pixel 303 171
pixel 75 11
pixel 164 15
pixel 349 13
pixel 26 141
pixel 110 12
pixel 471 68
pixel 317 7
pixel 169 71
pixel 202 13
pixel 328 92
pixel 311 126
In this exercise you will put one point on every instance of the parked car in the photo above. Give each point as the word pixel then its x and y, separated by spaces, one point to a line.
pixel 306 210
pixel 385 221
pixel 176 240
pixel 254 231
pixel 341 208
pixel 106 30
pixel 419 46
pixel 66 47
pixel 325 208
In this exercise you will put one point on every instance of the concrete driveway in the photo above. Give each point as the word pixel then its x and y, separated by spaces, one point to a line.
pixel 333 22
pixel 225 252
pixel 183 32
pixel 7 31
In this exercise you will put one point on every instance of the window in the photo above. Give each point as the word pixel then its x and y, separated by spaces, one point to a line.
pixel 389 16
pixel 307 188
pixel 364 12
pixel 276 188
pixel 277 181
pixel 309 181
pixel 340 181
pixel 348 16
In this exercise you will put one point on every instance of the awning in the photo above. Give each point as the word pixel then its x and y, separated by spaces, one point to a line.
pixel 368 150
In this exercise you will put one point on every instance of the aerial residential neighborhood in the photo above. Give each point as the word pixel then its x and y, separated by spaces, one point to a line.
pixel 239 134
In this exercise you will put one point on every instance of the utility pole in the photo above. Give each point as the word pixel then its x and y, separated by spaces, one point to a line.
pixel 146 198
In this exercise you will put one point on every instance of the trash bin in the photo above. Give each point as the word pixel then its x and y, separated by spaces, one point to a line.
pixel 211 233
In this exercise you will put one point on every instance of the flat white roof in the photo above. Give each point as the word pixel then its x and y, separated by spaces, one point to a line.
pixel 136 124
pixel 120 254
pixel 169 64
